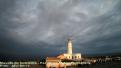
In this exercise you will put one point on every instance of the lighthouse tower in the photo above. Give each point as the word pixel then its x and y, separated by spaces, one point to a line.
pixel 69 55
pixel 69 46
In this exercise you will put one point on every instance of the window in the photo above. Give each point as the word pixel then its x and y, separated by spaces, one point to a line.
pixel 72 57
pixel 75 57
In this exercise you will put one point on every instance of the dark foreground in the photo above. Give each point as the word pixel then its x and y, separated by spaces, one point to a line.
pixel 115 64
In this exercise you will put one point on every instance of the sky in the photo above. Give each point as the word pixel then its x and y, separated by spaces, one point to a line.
pixel 42 27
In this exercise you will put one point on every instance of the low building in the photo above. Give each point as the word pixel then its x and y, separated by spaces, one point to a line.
pixel 54 62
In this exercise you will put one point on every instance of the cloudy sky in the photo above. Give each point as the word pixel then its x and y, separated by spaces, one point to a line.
pixel 42 27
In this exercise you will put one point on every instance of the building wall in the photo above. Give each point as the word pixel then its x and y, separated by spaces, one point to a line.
pixel 68 56
pixel 73 56
pixel 76 56
pixel 52 62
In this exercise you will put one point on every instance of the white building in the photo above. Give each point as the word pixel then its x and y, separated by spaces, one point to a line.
pixel 70 55
pixel 56 61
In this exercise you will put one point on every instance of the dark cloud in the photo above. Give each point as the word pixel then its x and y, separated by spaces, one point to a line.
pixel 42 27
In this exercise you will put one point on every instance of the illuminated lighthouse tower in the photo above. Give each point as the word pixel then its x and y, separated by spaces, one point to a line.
pixel 69 55
pixel 69 46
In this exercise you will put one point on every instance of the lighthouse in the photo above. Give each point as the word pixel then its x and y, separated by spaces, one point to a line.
pixel 69 55
pixel 69 46
pixel 56 61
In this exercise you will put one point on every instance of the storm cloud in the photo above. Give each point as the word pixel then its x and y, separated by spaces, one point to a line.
pixel 42 27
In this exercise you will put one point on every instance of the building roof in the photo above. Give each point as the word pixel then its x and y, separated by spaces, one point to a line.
pixel 52 58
